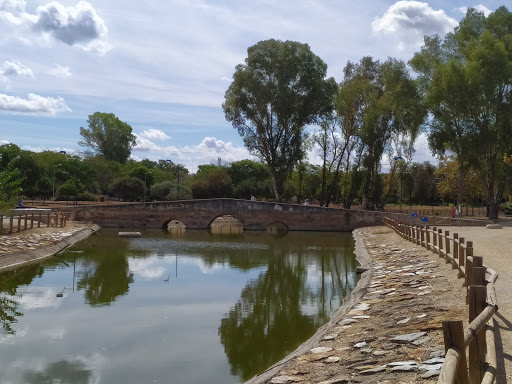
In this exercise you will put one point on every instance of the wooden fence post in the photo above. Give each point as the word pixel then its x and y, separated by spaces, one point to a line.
pixel 455 262
pixel 39 221
pixel 427 230
pixel 462 258
pixel 422 233
pixel 48 220
pixel 447 246
pixel 19 223
pixel 32 221
pixel 477 348
pixel 11 224
pixel 440 241
pixel 453 333
pixel 434 238
pixel 26 222
pixel 1 223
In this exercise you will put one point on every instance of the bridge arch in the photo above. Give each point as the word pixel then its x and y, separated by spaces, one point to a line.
pixel 226 225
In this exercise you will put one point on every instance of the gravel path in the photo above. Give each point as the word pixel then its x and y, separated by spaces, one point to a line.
pixel 495 245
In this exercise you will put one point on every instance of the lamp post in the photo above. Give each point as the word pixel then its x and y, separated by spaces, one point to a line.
pixel 53 183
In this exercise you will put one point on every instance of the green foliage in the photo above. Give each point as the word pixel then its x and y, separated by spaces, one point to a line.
pixel 108 136
pixel 128 188
pixel 211 182
pixel 279 90
pixel 10 189
pixel 249 177
pixel 159 191
pixel 467 86
pixel 68 190
pixel 185 193
pixel 144 174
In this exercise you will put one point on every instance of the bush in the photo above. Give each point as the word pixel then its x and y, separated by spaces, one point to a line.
pixel 128 188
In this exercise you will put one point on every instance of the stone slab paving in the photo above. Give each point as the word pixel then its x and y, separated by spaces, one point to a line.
pixel 37 243
pixel 393 335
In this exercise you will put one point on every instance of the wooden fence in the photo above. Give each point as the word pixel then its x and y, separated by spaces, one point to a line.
pixel 17 223
pixel 481 297
pixel 439 211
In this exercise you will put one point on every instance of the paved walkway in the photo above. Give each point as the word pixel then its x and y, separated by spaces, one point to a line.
pixel 495 245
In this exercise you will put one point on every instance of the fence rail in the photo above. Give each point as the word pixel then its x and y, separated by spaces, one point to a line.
pixel 28 220
pixel 479 281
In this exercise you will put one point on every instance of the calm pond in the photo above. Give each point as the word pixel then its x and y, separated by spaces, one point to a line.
pixel 190 308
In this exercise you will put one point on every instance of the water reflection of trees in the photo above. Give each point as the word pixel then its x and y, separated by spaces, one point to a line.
pixel 9 300
pixel 298 292
pixel 65 372
pixel 104 274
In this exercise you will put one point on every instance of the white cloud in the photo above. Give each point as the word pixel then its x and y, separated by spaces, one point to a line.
pixel 60 71
pixel 409 21
pixel 77 26
pixel 154 134
pixel 33 104
pixel 13 69
pixel 207 151
pixel 482 8
pixel 147 268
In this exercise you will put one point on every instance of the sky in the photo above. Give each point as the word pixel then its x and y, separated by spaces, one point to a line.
pixel 164 66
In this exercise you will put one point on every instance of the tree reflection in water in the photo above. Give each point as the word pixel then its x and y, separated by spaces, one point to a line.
pixel 9 300
pixel 105 274
pixel 65 372
pixel 298 293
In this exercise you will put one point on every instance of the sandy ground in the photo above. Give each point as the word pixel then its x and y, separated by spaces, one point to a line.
pixel 495 245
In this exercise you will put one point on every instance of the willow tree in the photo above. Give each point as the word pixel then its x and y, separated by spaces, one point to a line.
pixel 279 90
pixel 466 78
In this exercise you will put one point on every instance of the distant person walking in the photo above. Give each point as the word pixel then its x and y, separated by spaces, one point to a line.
pixel 252 197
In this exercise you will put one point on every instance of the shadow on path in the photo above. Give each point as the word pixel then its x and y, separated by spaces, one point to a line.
pixel 502 358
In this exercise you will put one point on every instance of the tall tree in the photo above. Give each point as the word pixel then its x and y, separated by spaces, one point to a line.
pixel 279 90
pixel 108 136
pixel 386 108
pixel 467 78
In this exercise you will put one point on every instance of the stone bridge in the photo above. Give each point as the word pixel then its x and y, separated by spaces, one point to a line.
pixel 199 214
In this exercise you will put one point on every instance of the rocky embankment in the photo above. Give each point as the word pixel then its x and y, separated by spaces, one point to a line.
pixel 38 243
pixel 393 334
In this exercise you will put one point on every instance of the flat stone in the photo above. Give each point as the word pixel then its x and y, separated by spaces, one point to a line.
pixel 367 350
pixel 380 353
pixel 347 321
pixel 421 341
pixel 331 336
pixel 431 367
pixel 404 321
pixel 430 374
pixel 371 371
pixel 285 379
pixel 408 338
pixel 404 368
pixel 435 360
pixel 362 317
pixel 332 359
pixel 493 226
pixel 321 349
pixel 316 356
pixel 401 363
pixel 360 345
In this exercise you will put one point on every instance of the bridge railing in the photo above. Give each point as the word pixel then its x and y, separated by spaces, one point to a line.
pixel 479 281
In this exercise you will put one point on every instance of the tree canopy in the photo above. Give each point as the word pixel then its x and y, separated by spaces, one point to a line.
pixel 108 136
pixel 279 90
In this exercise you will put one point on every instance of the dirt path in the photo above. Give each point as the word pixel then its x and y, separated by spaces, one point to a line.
pixel 495 245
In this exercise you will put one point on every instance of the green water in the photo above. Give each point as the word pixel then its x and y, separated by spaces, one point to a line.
pixel 195 308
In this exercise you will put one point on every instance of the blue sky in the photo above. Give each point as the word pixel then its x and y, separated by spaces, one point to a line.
pixel 163 66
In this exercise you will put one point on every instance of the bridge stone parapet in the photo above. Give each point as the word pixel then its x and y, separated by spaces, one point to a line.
pixel 199 214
